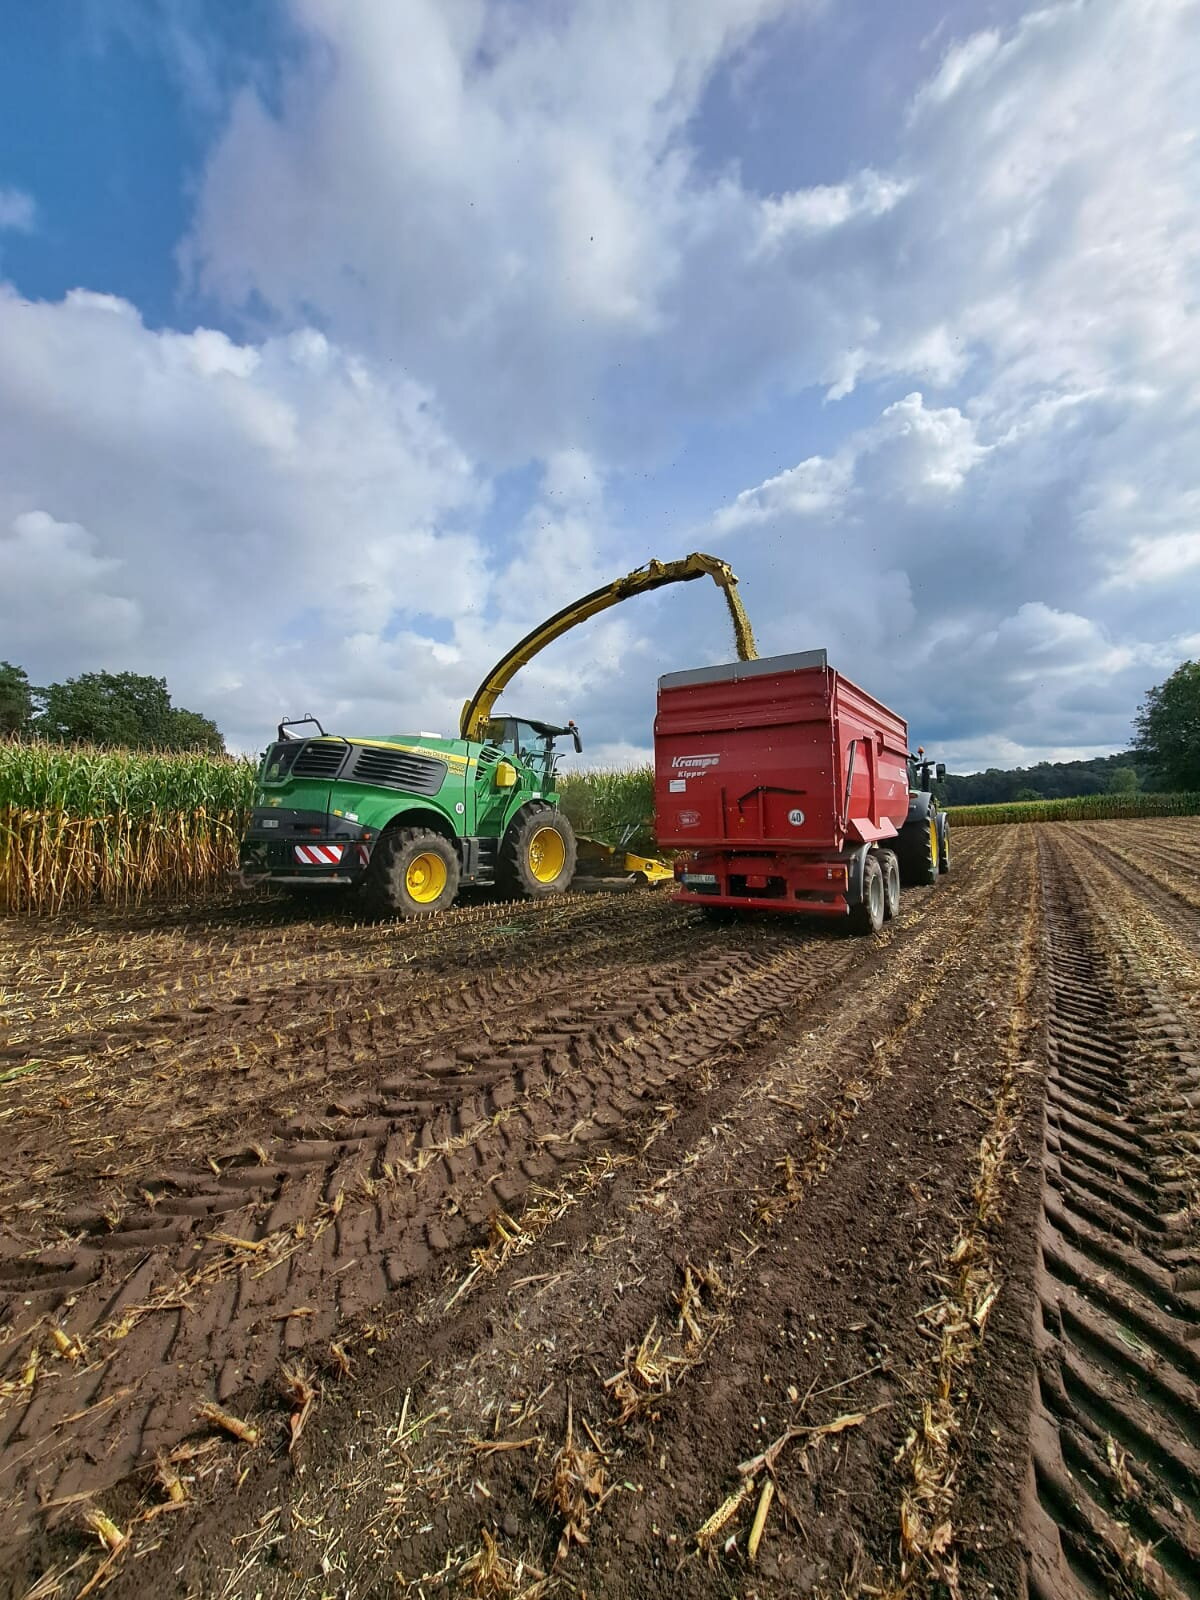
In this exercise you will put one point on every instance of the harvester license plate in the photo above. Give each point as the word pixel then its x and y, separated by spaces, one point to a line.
pixel 700 880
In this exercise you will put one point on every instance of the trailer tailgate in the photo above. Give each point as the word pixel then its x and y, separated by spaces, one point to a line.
pixel 747 759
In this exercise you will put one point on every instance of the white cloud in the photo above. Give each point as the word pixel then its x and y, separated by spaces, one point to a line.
pixel 227 515
pixel 807 490
pixel 962 63
pixel 499 219
pixel 535 237
pixel 828 206
pixel 56 584
pixel 17 210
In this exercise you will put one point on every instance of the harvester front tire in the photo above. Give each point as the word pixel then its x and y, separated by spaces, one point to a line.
pixel 867 915
pixel 943 842
pixel 890 868
pixel 413 873
pixel 537 855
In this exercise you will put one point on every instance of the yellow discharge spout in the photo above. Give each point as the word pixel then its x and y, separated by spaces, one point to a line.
pixel 654 575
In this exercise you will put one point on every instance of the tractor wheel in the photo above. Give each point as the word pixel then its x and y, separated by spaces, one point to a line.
pixel 867 916
pixel 943 842
pixel 413 873
pixel 537 854
pixel 918 850
pixel 890 868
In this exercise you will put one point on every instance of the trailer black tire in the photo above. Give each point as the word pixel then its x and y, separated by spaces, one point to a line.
pixel 413 872
pixel 537 854
pixel 917 848
pixel 943 842
pixel 890 867
pixel 867 915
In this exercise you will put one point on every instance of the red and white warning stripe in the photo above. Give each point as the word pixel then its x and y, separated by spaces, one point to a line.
pixel 319 855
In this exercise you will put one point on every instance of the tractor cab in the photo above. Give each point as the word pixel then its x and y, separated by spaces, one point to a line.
pixel 923 773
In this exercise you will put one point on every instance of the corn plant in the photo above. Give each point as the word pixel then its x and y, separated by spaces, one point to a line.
pixel 616 807
pixel 79 824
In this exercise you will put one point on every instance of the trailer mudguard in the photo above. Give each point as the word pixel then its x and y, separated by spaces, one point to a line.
pixel 858 869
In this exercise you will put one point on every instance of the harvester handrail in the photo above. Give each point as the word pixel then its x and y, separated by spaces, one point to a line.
pixel 653 575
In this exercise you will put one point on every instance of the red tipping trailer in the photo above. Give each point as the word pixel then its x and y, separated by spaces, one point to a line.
pixel 785 787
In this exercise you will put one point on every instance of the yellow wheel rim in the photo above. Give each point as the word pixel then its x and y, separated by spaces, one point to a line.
pixel 425 878
pixel 547 854
pixel 933 842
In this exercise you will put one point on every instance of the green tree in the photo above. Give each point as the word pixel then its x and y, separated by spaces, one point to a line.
pixel 16 699
pixel 1027 794
pixel 188 730
pixel 122 708
pixel 1123 780
pixel 1168 729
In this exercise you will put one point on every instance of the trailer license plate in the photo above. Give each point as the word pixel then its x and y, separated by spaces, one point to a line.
pixel 700 880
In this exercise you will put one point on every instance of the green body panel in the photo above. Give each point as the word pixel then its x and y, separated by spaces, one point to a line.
pixel 469 801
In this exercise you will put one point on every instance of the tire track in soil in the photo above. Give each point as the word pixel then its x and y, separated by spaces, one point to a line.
pixel 1113 1503
pixel 626 1063
pixel 326 1050
pixel 107 963
pixel 730 1153
pixel 382 1188
pixel 1147 866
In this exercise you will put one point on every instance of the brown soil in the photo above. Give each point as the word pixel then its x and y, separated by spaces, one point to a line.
pixel 536 1249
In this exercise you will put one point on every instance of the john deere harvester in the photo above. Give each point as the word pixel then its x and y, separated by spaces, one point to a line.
pixel 409 819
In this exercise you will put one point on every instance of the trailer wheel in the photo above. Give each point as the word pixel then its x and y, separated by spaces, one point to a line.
pixel 537 854
pixel 943 842
pixel 867 915
pixel 890 868
pixel 413 873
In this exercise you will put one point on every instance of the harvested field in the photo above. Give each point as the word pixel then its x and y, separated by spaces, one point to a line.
pixel 588 1249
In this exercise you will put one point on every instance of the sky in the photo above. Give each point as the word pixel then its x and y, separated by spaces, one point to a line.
pixel 342 343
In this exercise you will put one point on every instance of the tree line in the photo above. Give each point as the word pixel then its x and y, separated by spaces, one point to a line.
pixel 124 709
pixel 1164 755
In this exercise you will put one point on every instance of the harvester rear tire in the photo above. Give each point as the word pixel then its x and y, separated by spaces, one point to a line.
pixel 537 854
pixel 867 915
pixel 890 868
pixel 413 873
pixel 943 842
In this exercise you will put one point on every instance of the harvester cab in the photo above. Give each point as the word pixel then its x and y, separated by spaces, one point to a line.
pixel 530 742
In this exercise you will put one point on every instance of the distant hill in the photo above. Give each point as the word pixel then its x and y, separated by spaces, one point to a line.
pixel 1048 780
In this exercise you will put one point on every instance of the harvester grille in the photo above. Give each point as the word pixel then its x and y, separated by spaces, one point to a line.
pixel 320 758
pixel 397 769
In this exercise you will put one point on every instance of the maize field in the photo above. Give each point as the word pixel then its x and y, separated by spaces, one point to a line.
pixel 585 1246
pixel 1083 808
pixel 81 825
